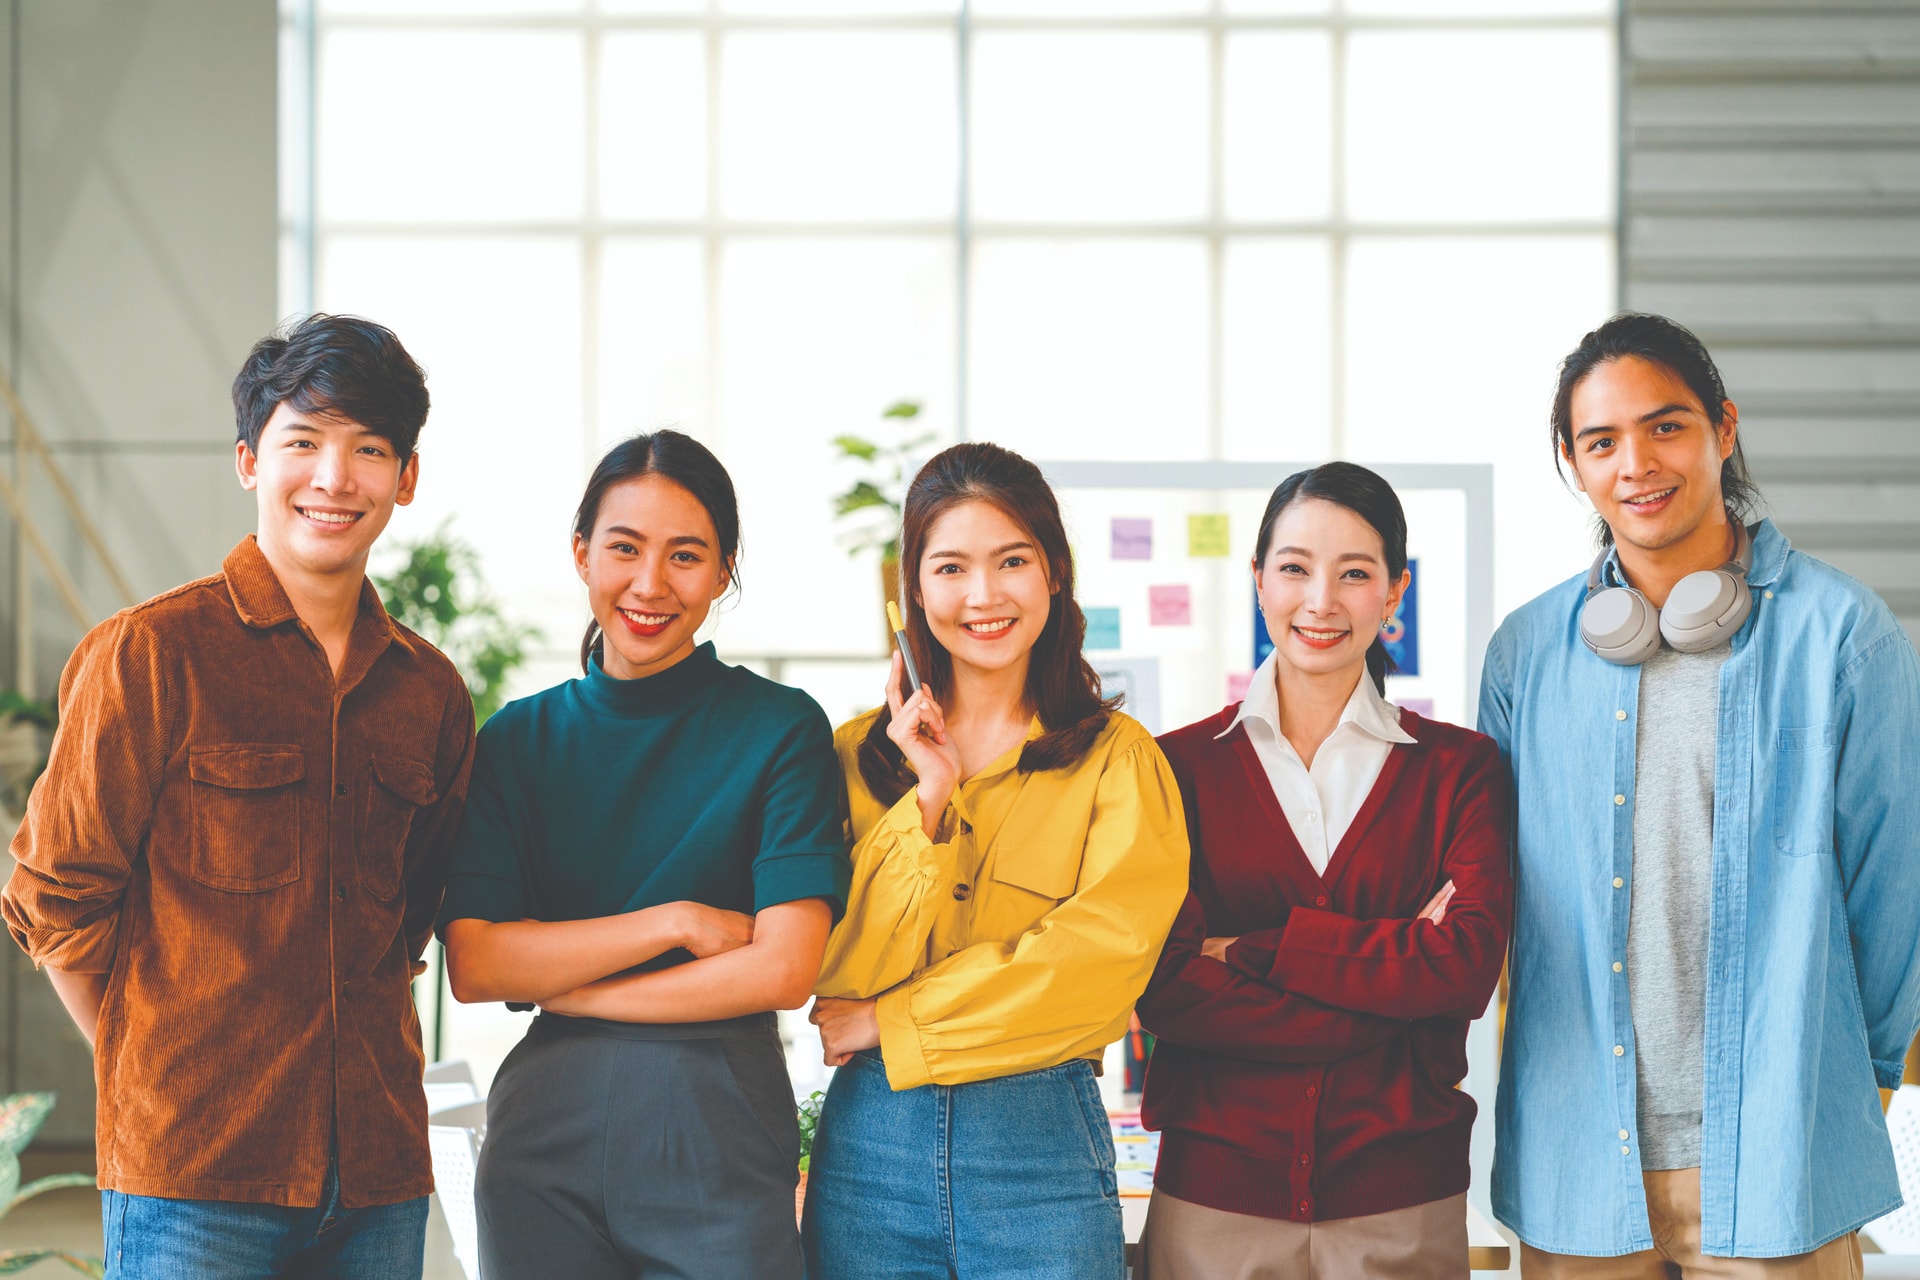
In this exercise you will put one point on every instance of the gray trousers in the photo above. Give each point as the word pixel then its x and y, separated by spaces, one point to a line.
pixel 618 1150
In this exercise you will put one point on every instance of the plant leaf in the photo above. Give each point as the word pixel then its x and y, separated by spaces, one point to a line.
pixel 16 1260
pixel 51 1183
pixel 863 495
pixel 855 447
pixel 902 409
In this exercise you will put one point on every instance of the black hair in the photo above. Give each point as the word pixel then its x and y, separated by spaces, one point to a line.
pixel 1673 347
pixel 342 365
pixel 671 456
pixel 1367 495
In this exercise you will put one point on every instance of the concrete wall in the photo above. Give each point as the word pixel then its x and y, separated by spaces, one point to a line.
pixel 1772 202
pixel 138 260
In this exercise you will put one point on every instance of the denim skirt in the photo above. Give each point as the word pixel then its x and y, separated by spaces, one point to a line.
pixel 1006 1177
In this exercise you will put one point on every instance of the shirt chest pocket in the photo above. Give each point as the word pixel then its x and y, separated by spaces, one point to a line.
pixel 246 815
pixel 1045 868
pixel 397 789
pixel 1804 766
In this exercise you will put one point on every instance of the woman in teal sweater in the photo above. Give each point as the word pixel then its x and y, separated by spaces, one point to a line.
pixel 653 855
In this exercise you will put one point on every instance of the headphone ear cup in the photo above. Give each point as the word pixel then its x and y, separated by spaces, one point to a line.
pixel 1705 609
pixel 1621 625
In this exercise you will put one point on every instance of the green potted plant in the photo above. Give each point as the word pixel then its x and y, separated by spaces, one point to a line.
pixel 437 590
pixel 26 731
pixel 808 1112
pixel 21 1115
pixel 870 509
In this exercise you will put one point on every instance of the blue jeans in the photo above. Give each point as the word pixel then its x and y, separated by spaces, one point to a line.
pixel 154 1238
pixel 1007 1177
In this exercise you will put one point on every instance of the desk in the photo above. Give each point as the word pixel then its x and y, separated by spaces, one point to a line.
pixel 1486 1248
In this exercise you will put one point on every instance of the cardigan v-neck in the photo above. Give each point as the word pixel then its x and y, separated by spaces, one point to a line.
pixel 1261 784
pixel 1309 1076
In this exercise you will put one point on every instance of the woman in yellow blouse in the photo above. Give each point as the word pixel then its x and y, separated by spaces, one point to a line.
pixel 1019 854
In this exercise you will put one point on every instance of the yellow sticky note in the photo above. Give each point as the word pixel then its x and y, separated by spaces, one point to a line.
pixel 1207 536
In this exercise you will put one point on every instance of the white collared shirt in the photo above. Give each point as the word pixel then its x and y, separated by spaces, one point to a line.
pixel 1320 803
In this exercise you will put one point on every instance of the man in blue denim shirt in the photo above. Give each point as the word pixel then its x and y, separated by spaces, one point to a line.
pixel 1718 861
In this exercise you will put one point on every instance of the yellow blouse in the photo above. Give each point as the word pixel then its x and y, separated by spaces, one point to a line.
pixel 1022 940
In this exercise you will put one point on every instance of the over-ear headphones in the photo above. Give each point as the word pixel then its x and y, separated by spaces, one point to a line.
pixel 1702 612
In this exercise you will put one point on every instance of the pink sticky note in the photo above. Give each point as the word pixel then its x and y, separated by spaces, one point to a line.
pixel 1419 706
pixel 1238 682
pixel 1170 606
pixel 1132 538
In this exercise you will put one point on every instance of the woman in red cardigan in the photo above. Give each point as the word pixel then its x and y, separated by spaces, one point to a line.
pixel 1347 920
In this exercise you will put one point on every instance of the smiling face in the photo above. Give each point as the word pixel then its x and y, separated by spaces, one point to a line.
pixel 1324 587
pixel 325 487
pixel 1647 456
pixel 983 588
pixel 653 569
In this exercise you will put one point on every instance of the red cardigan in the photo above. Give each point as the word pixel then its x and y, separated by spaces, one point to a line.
pixel 1312 1076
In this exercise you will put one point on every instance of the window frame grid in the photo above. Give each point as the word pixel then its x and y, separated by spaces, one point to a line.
pixel 309 230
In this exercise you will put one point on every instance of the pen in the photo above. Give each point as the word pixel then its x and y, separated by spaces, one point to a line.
pixel 906 654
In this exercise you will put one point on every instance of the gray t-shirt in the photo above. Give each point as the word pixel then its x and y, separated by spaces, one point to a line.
pixel 1675 740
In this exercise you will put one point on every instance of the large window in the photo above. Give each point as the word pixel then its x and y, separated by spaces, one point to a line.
pixel 1137 229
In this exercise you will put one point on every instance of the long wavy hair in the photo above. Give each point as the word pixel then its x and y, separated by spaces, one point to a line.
pixel 1062 687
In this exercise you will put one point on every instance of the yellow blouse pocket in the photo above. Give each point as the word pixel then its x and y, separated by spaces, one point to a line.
pixel 246 815
pixel 1050 868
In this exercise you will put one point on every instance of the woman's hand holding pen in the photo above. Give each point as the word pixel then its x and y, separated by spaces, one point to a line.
pixel 846 1026
pixel 919 729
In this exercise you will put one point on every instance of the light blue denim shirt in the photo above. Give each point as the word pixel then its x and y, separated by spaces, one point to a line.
pixel 1813 983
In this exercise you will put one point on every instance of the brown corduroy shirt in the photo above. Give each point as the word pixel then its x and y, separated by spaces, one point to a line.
pixel 253 851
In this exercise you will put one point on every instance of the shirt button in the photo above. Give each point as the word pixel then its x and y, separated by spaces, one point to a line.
pixel 1313 1091
pixel 1768 594
pixel 340 790
pixel 1617 966
pixel 1619 1051
pixel 340 890
pixel 1303 1206
pixel 1619 799
pixel 1305 1158
pixel 1623 1135
pixel 1320 901
pixel 1313 817
pixel 1625 1152
pixel 961 893
pixel 1620 715
pixel 1618 882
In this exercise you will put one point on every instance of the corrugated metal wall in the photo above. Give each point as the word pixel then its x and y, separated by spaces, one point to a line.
pixel 1771 201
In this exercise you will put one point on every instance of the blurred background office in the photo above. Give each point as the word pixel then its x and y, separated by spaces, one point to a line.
pixel 1135 230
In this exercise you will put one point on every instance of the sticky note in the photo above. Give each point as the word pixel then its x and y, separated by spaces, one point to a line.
pixel 1103 628
pixel 1132 538
pixel 1170 606
pixel 1419 706
pixel 1207 535
pixel 1238 682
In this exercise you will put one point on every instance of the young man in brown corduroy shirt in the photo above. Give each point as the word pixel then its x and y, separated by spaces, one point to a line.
pixel 231 865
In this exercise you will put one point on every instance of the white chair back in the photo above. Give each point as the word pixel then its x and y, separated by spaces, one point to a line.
pixel 454 1136
pixel 1899 1231
pixel 448 1084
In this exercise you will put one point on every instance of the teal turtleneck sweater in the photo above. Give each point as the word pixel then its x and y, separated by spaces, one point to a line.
pixel 704 783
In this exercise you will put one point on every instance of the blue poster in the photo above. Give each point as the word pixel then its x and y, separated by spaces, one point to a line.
pixel 1262 642
pixel 1401 636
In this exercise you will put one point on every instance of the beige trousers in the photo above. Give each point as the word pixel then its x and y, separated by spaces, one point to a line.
pixel 1673 1212
pixel 1186 1241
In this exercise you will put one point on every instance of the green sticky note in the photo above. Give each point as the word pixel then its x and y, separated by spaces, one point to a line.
pixel 1103 628
pixel 1207 536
